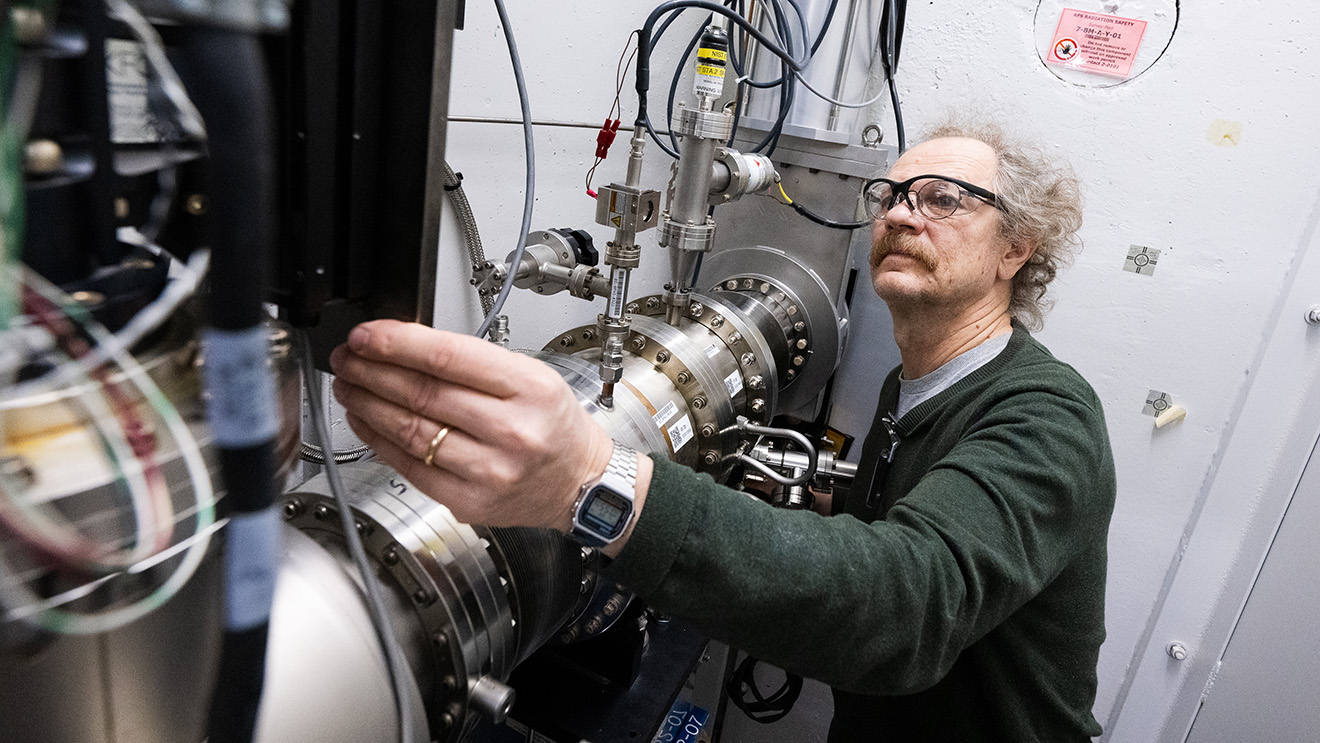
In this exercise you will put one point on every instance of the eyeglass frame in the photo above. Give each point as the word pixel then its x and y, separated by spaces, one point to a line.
pixel 903 191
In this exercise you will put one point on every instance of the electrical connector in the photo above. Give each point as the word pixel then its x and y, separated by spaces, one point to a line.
pixel 605 137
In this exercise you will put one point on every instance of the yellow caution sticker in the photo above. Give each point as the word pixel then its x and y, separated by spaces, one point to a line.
pixel 710 71
pixel 715 54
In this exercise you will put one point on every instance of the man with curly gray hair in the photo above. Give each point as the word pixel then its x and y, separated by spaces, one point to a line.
pixel 972 543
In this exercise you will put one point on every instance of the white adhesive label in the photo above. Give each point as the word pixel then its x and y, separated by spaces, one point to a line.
pixel 252 558
pixel 733 383
pixel 240 403
pixel 680 433
pixel 711 350
pixel 618 285
pixel 664 414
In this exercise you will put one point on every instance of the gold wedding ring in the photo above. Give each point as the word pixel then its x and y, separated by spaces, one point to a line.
pixel 435 444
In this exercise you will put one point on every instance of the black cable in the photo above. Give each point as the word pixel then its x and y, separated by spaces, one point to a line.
pixel 891 41
pixel 761 708
pixel 826 222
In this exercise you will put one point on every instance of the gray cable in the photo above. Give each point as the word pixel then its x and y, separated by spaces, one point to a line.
pixel 395 663
pixel 467 222
pixel 530 192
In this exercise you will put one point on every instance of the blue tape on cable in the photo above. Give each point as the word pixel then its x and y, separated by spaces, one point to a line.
pixel 252 558
pixel 240 404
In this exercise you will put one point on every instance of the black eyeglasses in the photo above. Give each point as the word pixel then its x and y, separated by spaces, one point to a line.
pixel 935 197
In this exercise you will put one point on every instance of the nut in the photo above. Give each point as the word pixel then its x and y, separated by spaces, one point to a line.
pixel 1177 651
pixel 799 360
pixel 799 326
pixel 757 382
pixel 748 358
pixel 802 343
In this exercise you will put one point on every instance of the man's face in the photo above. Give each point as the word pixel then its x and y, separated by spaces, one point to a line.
pixel 956 262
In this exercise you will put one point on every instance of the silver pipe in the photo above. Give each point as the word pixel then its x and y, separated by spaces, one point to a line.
pixel 841 78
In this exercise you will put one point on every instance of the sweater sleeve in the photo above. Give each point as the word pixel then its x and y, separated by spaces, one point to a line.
pixel 885 607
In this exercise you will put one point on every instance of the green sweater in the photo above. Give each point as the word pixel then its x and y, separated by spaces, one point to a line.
pixel 969 606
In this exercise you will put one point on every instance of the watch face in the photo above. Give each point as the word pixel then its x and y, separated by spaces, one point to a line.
pixel 604 512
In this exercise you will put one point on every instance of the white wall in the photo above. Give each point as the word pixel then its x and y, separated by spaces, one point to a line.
pixel 1218 326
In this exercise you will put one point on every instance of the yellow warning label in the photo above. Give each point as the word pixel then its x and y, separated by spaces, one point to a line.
pixel 714 54
pixel 617 220
pixel 710 71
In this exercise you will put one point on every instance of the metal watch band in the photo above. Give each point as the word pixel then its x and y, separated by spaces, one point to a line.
pixel 623 463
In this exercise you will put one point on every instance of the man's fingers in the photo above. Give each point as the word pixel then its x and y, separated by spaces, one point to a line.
pixel 458 359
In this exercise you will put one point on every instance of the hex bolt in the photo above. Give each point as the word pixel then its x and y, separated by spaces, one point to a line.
pixel 652 303
pixel 391 557
pixel 1313 315
pixel 717 321
pixel 711 457
pixel 322 512
pixel 757 382
pixel 748 358
pixel 593 626
pixel 684 377
pixel 699 402
pixel 731 284
pixel 799 360
pixel 802 343
pixel 799 326
pixel 567 341
pixel 735 337
pixel 639 342
pixel 779 296
pixel 612 606
pixel 293 508
pixel 439 640
pixel 758 405
pixel 589 334
pixel 696 309
pixel 791 374
pixel 747 283
pixel 1177 651
pixel 764 287
pixel 633 307
pixel 662 357
pixel 708 430
pixel 792 310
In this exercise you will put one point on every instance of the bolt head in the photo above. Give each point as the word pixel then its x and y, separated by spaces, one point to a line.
pixel 652 303
pixel 588 334
pixel 195 204
pixel 757 382
pixel 711 457
pixel 802 343
pixel 735 337
pixel 699 403
pixel 696 309
pixel 731 284
pixel 717 321
pixel 684 377
pixel 792 310
pixel 567 341
pixel 1177 651
pixel 321 512
pixel 792 373
pixel 292 508
pixel 662 357
pixel 799 360
pixel 639 342
pixel 391 557
pixel 799 326
pixel 708 430
pixel 633 307
pixel 748 358
pixel 764 288
pixel 758 405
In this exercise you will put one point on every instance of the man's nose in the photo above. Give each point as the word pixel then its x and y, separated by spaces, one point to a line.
pixel 901 215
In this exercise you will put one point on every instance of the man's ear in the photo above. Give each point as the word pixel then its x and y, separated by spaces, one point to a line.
pixel 1014 257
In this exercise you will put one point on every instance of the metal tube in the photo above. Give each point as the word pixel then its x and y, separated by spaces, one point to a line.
pixel 845 57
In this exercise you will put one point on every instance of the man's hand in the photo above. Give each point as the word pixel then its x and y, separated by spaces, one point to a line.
pixel 519 445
